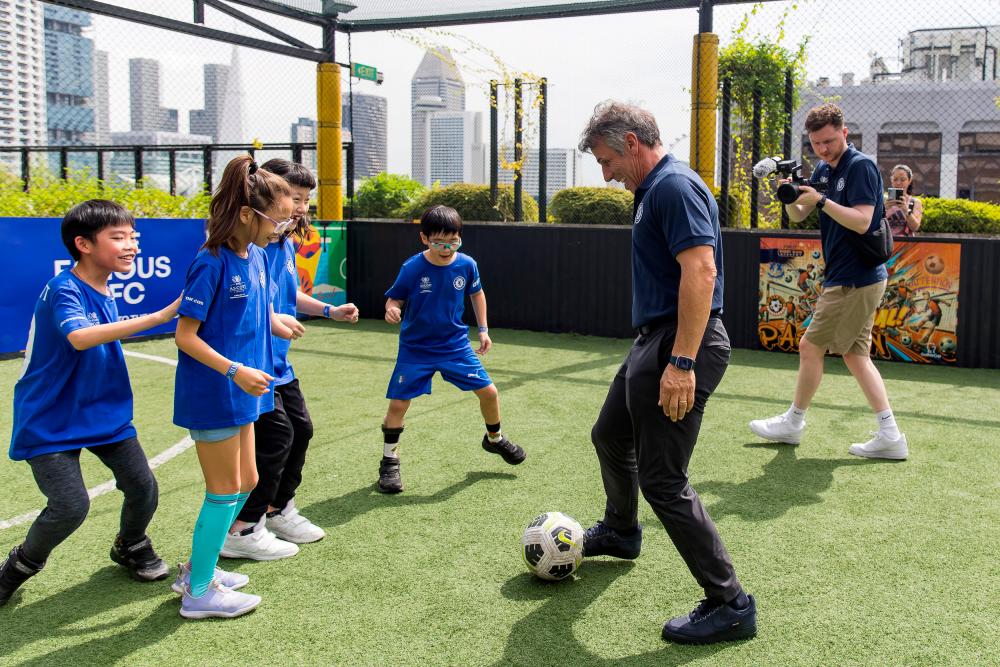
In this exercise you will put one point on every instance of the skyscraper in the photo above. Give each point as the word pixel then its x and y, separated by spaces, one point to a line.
pixel 144 96
pixel 436 86
pixel 368 130
pixel 101 100
pixel 456 147
pixel 207 121
pixel 303 131
pixel 561 171
pixel 22 71
pixel 69 77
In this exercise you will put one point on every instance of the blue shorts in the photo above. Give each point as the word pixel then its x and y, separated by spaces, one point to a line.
pixel 213 434
pixel 411 380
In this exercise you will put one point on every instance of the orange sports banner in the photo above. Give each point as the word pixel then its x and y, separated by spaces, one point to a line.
pixel 916 321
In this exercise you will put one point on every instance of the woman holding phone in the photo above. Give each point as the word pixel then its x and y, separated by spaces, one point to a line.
pixel 903 211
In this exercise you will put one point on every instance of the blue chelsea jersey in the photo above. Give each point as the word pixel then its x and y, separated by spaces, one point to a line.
pixel 432 328
pixel 68 399
pixel 230 296
pixel 285 276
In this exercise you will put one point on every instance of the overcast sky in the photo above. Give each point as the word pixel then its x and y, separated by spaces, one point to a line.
pixel 641 57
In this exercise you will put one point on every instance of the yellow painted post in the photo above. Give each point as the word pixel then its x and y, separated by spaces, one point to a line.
pixel 704 102
pixel 329 151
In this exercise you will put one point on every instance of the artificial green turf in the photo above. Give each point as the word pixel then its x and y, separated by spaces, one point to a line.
pixel 851 561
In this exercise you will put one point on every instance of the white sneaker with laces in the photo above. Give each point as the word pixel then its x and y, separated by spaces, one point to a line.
pixel 261 544
pixel 881 447
pixel 231 580
pixel 778 429
pixel 218 602
pixel 291 526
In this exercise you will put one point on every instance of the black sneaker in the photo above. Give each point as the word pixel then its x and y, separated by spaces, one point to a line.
pixel 712 622
pixel 139 558
pixel 389 479
pixel 510 452
pixel 602 540
pixel 15 571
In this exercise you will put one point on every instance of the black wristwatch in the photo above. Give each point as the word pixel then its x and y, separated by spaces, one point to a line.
pixel 682 363
pixel 821 203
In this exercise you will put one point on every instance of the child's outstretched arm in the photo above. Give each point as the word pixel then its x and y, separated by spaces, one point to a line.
pixel 309 306
pixel 288 331
pixel 393 311
pixel 250 380
pixel 88 337
pixel 479 307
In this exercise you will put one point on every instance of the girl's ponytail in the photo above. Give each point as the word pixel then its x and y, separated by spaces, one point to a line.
pixel 243 183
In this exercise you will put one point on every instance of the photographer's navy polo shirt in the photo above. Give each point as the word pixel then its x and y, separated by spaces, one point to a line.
pixel 856 180
pixel 673 211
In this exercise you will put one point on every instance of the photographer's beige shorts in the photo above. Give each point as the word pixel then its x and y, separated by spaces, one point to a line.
pixel 843 319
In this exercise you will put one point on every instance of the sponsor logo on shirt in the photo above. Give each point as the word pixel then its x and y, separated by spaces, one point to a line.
pixel 238 288
pixel 458 282
pixel 425 284
pixel 92 316
pixel 840 184
pixel 263 278
pixel 290 265
pixel 476 283
pixel 194 300
pixel 638 214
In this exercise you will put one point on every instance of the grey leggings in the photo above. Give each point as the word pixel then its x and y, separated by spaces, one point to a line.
pixel 59 478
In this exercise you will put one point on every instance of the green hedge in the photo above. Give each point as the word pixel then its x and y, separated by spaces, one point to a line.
pixel 608 206
pixel 943 216
pixel 473 203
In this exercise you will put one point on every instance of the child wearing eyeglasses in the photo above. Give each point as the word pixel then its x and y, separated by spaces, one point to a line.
pixel 432 285
pixel 269 526
pixel 225 371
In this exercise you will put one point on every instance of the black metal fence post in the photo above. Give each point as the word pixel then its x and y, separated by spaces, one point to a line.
pixel 724 156
pixel 100 168
pixel 206 162
pixel 25 168
pixel 297 153
pixel 64 164
pixel 173 171
pixel 786 143
pixel 138 166
pixel 543 146
pixel 518 152
pixel 494 144
pixel 350 179
pixel 754 159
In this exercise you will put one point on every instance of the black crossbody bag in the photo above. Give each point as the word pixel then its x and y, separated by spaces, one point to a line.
pixel 874 247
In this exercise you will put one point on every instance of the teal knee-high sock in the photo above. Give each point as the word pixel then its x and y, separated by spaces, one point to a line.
pixel 209 535
pixel 241 500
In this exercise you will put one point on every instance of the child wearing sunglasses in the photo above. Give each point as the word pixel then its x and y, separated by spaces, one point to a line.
pixel 269 526
pixel 224 371
pixel 432 285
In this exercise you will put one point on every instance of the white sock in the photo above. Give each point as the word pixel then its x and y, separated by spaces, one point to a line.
pixel 887 424
pixel 390 449
pixel 795 415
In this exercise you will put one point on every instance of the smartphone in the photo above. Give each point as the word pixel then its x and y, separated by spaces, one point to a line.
pixel 896 193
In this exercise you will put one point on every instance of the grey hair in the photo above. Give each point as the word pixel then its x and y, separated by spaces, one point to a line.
pixel 612 120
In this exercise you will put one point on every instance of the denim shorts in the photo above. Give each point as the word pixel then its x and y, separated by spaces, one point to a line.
pixel 213 434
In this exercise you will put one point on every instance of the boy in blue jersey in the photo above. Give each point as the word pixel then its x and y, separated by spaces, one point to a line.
pixel 74 394
pixel 432 285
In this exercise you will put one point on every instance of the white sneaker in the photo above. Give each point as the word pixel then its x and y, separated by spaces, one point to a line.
pixel 218 601
pixel 261 544
pixel 231 580
pixel 881 447
pixel 778 429
pixel 291 526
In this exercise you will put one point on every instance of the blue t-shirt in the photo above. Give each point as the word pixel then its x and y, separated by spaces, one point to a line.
pixel 68 399
pixel 231 298
pixel 673 211
pixel 855 180
pixel 281 258
pixel 432 328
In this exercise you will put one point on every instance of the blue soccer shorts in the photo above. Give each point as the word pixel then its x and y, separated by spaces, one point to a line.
pixel 411 380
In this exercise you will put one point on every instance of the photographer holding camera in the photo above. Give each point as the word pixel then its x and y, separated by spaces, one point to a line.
pixel 852 289
pixel 903 211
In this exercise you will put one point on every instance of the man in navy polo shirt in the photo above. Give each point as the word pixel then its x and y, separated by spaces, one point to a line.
pixel 648 426
pixel 845 311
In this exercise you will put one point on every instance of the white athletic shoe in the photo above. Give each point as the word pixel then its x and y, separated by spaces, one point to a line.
pixel 778 429
pixel 231 580
pixel 881 447
pixel 291 526
pixel 218 601
pixel 261 544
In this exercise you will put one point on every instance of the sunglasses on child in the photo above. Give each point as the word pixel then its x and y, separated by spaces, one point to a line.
pixel 279 225
pixel 440 245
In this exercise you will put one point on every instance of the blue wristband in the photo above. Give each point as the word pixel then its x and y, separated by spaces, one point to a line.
pixel 231 373
pixel 326 312
pixel 483 329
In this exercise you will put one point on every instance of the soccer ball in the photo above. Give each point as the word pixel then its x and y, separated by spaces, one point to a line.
pixel 948 346
pixel 815 254
pixel 934 264
pixel 552 546
pixel 906 340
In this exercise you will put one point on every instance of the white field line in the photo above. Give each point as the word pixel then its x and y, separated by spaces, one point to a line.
pixel 109 486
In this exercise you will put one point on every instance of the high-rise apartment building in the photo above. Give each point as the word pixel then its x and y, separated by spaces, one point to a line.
pixel 69 76
pixel 101 100
pixel 437 86
pixel 368 130
pixel 561 172
pixel 303 131
pixel 144 95
pixel 207 121
pixel 22 73
pixel 455 147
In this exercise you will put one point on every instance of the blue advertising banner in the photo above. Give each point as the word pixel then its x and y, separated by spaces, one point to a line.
pixel 33 252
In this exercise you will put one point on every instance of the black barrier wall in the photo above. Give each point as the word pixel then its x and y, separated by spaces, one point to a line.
pixel 577 279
